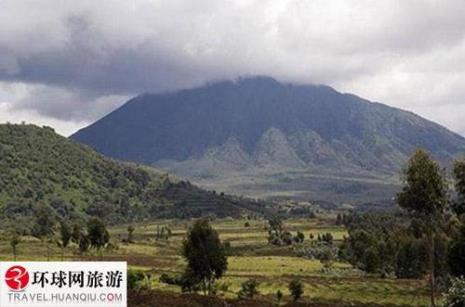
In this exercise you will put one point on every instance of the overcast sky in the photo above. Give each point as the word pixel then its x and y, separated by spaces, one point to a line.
pixel 67 63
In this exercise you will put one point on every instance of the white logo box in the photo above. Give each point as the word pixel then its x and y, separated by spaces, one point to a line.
pixel 64 284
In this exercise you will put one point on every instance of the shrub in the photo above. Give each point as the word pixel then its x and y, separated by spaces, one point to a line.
pixel 327 254
pixel 455 296
pixel 135 279
pixel 188 282
pixel 248 289
pixel 299 237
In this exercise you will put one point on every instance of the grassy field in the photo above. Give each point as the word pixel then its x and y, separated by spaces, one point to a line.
pixel 251 257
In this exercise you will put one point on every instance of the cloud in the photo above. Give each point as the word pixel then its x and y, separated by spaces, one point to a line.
pixel 77 60
pixel 11 115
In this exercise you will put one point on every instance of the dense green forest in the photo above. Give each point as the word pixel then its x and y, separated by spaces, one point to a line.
pixel 40 167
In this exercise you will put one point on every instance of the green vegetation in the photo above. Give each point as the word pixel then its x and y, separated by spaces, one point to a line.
pixel 205 256
pixel 424 196
pixel 48 177
pixel 455 296
pixel 242 250
pixel 251 257
pixel 248 289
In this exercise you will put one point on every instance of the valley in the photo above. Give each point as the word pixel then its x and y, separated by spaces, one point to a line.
pixel 250 257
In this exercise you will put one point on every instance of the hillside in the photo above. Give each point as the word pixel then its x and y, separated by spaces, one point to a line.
pixel 39 166
pixel 260 137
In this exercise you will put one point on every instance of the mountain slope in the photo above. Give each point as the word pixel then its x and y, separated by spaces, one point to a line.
pixel 39 166
pixel 258 130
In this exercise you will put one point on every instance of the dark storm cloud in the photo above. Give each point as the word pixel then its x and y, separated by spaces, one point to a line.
pixel 77 60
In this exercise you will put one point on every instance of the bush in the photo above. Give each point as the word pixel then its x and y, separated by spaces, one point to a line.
pixel 296 288
pixel 287 238
pixel 327 237
pixel 327 254
pixel 299 237
pixel 248 289
pixel 455 296
pixel 135 279
pixel 187 282
pixel 167 279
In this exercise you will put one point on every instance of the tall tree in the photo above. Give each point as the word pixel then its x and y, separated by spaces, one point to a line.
pixel 15 239
pixel 44 221
pixel 456 255
pixel 65 237
pixel 424 195
pixel 131 230
pixel 459 176
pixel 205 255
pixel 44 226
pixel 97 233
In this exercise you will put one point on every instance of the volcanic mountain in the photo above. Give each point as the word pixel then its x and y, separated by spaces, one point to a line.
pixel 265 138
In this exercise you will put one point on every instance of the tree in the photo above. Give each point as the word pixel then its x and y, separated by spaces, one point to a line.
pixel 279 296
pixel 327 237
pixel 84 244
pixel 97 233
pixel 44 222
pixel 44 225
pixel 327 255
pixel 76 233
pixel 205 255
pixel 275 231
pixel 456 254
pixel 424 196
pixel 459 176
pixel 65 237
pixel 79 237
pixel 131 234
pixel 384 243
pixel 296 289
pixel 411 257
pixel 300 237
pixel 15 239
pixel 339 219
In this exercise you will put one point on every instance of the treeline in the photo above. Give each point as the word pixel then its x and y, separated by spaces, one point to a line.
pixel 425 237
pixel 86 234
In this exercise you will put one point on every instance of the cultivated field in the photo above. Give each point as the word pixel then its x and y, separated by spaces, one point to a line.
pixel 250 257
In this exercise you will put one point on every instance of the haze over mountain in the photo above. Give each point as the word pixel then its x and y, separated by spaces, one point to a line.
pixel 260 137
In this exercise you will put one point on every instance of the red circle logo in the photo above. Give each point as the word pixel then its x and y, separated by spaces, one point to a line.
pixel 17 278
